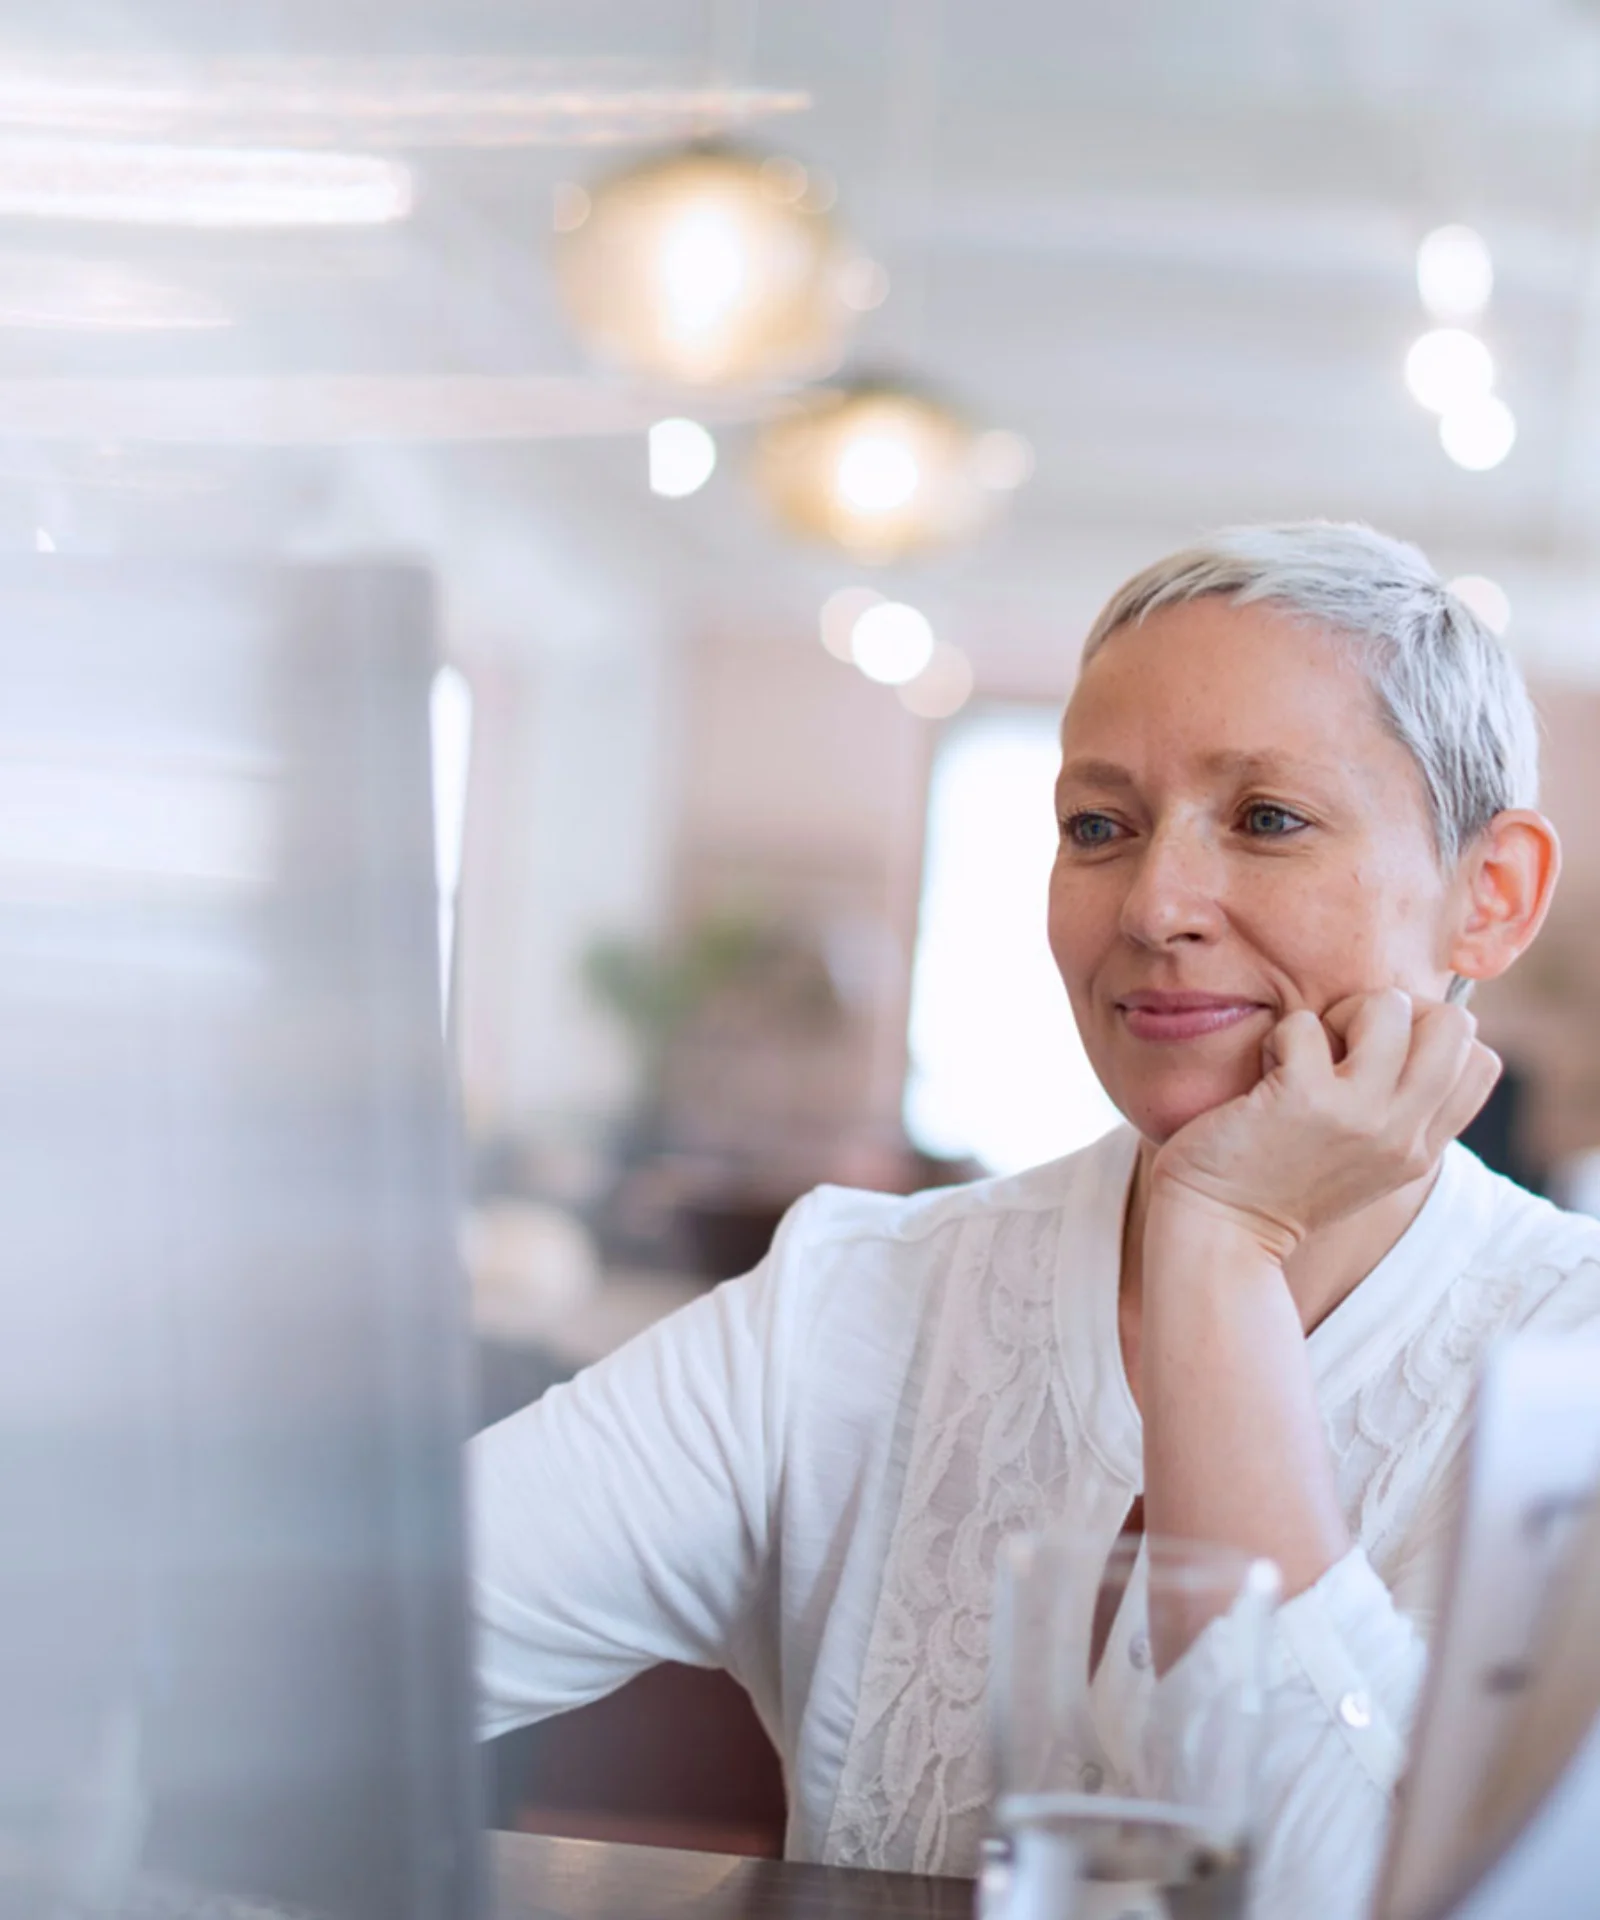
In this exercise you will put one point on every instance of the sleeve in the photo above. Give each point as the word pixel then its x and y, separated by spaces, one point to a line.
pixel 1344 1680
pixel 625 1518
pixel 1343 1670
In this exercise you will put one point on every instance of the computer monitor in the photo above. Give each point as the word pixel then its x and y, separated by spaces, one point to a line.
pixel 233 1366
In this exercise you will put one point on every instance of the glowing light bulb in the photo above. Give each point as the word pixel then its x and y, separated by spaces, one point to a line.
pixel 701 269
pixel 877 474
pixel 1478 434
pixel 683 457
pixel 891 643
pixel 1448 369
pixel 1455 275
pixel 706 268
pixel 880 471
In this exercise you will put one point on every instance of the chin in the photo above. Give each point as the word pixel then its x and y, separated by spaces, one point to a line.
pixel 1160 1108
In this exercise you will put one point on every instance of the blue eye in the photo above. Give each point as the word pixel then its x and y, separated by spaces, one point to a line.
pixel 1089 829
pixel 1271 822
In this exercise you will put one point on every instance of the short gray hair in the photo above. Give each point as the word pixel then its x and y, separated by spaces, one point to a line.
pixel 1448 690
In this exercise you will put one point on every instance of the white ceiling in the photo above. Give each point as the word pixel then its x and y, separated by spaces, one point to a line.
pixel 1172 244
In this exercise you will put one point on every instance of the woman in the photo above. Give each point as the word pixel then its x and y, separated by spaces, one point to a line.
pixel 1295 824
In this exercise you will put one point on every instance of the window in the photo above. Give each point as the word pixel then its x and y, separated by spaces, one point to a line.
pixel 997 1068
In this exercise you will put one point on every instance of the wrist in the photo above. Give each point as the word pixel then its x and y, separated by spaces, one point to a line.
pixel 1184 1220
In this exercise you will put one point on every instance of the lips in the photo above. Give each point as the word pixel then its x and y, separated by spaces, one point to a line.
pixel 1184 1016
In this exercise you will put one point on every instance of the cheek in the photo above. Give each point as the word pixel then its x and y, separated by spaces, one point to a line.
pixel 1078 918
pixel 1361 925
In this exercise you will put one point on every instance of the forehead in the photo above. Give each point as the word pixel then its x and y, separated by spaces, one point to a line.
pixel 1207 678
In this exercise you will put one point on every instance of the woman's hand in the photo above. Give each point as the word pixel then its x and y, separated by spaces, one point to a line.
pixel 1349 1108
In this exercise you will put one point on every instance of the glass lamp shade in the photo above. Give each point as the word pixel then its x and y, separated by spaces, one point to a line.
pixel 878 470
pixel 708 268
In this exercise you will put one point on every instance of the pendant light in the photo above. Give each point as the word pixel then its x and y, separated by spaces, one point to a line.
pixel 884 470
pixel 709 267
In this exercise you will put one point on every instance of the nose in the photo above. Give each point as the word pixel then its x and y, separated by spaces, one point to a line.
pixel 1175 895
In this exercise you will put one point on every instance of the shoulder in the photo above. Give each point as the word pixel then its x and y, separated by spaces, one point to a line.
pixel 861 1286
pixel 1543 1260
pixel 844 1253
pixel 841 1221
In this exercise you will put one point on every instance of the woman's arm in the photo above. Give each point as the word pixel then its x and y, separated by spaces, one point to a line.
pixel 1234 1444
pixel 1235 1449
pixel 623 1519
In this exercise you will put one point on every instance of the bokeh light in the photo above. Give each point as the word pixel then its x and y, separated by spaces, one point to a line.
pixel 1486 597
pixel 1455 275
pixel 1448 369
pixel 708 267
pixel 881 471
pixel 683 457
pixel 1478 434
pixel 878 473
pixel 840 612
pixel 891 642
pixel 943 687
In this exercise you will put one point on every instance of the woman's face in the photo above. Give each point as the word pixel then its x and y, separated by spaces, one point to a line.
pixel 1240 836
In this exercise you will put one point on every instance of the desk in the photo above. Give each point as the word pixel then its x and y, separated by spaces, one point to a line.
pixel 540 1879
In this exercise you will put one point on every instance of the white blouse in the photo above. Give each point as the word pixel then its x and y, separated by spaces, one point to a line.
pixel 805 1475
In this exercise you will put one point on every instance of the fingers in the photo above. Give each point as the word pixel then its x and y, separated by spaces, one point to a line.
pixel 1448 1076
pixel 1338 1017
pixel 1416 1068
pixel 1313 1141
pixel 1298 1046
pixel 1379 1041
pixel 1441 1045
pixel 1369 1035
pixel 1466 1098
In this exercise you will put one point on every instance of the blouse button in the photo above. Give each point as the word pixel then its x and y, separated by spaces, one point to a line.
pixel 1093 1777
pixel 1139 1650
pixel 1355 1710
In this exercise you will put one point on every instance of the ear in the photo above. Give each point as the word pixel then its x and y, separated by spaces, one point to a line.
pixel 1507 877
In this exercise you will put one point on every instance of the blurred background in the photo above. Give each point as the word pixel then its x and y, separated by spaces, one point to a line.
pixel 773 394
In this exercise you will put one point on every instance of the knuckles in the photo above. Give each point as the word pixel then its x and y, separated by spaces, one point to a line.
pixel 1331 1131
pixel 1416 1157
pixel 1448 1022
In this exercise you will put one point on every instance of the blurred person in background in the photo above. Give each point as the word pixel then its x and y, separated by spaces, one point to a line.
pixel 1296 822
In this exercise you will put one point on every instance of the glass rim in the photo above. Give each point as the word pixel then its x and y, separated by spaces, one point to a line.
pixel 1173 1558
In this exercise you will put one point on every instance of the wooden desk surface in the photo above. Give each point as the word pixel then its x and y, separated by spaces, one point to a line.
pixel 541 1879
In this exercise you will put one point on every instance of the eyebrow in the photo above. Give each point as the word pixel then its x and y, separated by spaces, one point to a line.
pixel 1258 766
pixel 1242 766
pixel 1096 773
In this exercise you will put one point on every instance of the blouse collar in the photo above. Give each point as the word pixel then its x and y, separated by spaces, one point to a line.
pixel 1381 1313
pixel 1373 1321
pixel 1089 1273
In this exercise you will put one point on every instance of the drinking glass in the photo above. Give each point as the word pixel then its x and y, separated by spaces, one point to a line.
pixel 1128 1717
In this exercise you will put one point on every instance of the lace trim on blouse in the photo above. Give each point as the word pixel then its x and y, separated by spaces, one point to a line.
pixel 996 1444
pixel 992 1453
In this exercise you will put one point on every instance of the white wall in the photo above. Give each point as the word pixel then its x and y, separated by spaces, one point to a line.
pixel 575 809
